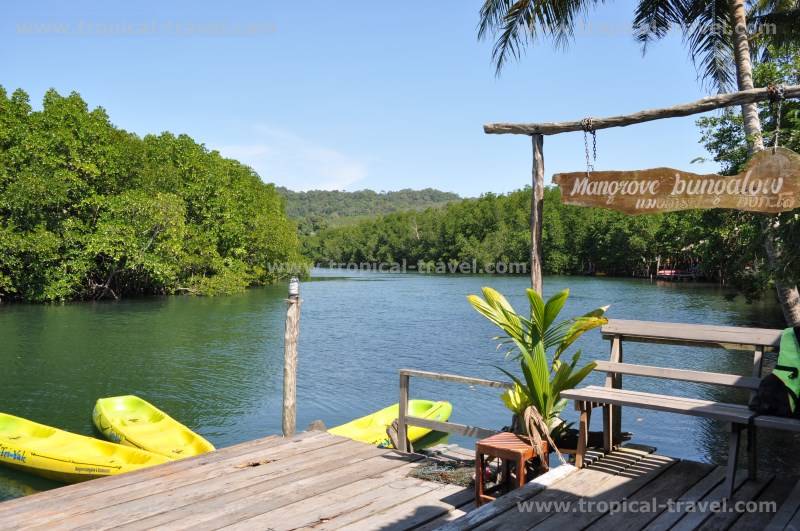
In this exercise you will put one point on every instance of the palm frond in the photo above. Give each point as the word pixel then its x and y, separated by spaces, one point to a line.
pixel 707 33
pixel 654 18
pixel 515 23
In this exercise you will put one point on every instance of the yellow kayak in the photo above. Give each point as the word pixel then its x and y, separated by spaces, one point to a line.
pixel 133 421
pixel 64 456
pixel 372 428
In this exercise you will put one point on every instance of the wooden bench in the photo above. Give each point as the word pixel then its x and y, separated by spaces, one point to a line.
pixel 612 397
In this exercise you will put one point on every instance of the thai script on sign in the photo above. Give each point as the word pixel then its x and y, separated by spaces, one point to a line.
pixel 770 182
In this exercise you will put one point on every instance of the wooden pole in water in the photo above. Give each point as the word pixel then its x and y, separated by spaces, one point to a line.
pixel 537 212
pixel 290 359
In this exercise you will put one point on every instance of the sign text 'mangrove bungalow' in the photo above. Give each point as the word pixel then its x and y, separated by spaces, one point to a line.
pixel 769 183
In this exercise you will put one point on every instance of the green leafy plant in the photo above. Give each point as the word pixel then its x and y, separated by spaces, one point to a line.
pixel 528 339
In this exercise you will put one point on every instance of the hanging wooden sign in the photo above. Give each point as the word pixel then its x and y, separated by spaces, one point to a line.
pixel 770 182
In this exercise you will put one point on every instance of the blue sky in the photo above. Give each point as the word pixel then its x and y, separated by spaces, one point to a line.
pixel 351 94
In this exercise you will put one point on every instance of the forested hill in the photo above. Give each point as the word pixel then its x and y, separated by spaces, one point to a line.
pixel 317 209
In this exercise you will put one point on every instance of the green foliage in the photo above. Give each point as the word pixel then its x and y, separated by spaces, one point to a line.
pixel 318 209
pixel 88 210
pixel 734 245
pixel 494 229
pixel 528 340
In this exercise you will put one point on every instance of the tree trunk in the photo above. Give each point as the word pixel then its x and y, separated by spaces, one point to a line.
pixel 787 295
pixel 744 75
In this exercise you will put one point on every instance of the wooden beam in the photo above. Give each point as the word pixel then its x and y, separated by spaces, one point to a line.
pixel 687 109
pixel 451 427
pixel 715 378
pixel 537 212
pixel 455 378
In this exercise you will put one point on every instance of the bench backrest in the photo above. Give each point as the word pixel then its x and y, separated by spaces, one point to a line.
pixel 756 340
pixel 728 337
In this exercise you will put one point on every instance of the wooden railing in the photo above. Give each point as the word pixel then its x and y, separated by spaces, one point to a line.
pixel 404 420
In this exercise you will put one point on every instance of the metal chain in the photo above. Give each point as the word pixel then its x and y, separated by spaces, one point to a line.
pixel 777 93
pixel 781 95
pixel 588 127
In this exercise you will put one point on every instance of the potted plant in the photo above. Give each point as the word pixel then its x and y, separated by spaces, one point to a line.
pixel 535 399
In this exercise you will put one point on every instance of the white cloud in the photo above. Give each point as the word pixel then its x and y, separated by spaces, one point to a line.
pixel 288 160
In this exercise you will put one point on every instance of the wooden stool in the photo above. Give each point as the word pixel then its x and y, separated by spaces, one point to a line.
pixel 508 447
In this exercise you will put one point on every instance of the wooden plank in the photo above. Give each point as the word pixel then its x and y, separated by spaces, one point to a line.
pixel 667 519
pixel 452 427
pixel 491 510
pixel 452 452
pixel 675 482
pixel 709 103
pixel 777 423
pixel 213 460
pixel 651 469
pixel 435 505
pixel 794 525
pixel 250 501
pixel 596 483
pixel 445 377
pixel 237 482
pixel 343 505
pixel 352 509
pixel 219 475
pixel 731 380
pixel 777 493
pixel 735 337
pixel 787 510
pixel 445 519
pixel 691 520
pixel 725 519
pixel 687 406
pixel 12 506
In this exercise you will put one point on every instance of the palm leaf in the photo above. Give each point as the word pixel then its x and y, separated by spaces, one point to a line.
pixel 515 23
pixel 580 375
pixel 553 307
pixel 654 18
pixel 537 315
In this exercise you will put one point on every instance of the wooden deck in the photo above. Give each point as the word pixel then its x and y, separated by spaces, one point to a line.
pixel 314 480
pixel 318 481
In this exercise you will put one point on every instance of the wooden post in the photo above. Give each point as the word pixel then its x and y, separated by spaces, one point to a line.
pixel 290 359
pixel 537 211
pixel 612 415
pixel 402 426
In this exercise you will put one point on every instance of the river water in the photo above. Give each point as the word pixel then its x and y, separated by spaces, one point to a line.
pixel 215 364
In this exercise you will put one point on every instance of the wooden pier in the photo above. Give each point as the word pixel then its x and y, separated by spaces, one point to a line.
pixel 318 481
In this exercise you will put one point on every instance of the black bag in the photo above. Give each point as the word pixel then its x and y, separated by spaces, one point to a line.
pixel 774 397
